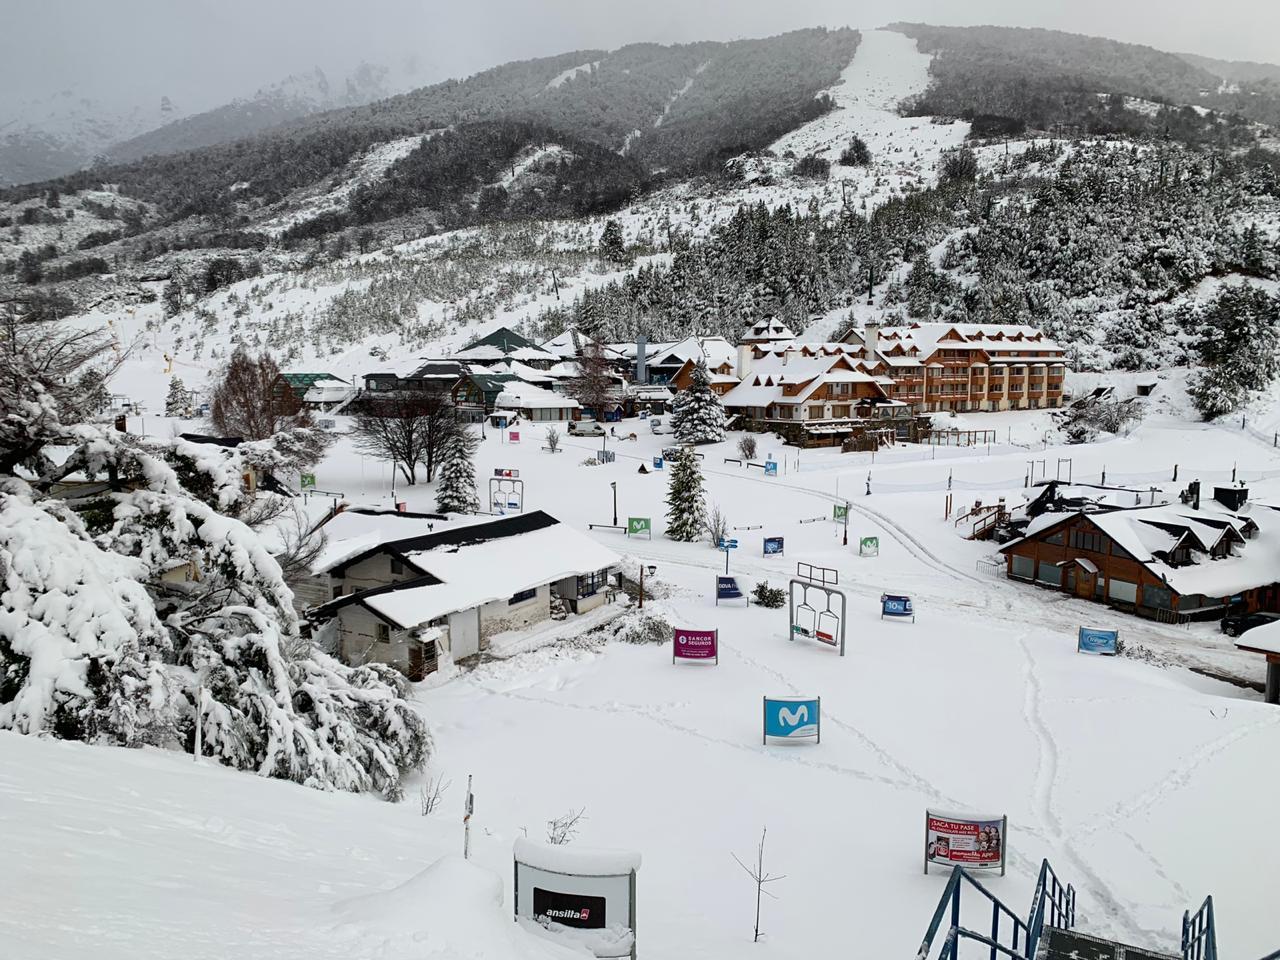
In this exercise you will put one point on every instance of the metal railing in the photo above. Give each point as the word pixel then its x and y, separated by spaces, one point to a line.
pixel 1199 934
pixel 1053 904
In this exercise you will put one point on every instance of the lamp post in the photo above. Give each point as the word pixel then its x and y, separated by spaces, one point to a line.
pixel 614 485
pixel 846 523
pixel 651 568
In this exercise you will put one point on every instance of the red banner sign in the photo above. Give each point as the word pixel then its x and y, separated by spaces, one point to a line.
pixel 696 645
pixel 965 840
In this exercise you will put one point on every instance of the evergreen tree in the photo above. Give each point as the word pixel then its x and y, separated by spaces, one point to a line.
pixel 699 413
pixel 456 491
pixel 178 402
pixel 686 504
pixel 612 248
pixel 855 154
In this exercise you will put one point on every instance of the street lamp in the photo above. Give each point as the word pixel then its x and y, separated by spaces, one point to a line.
pixel 652 568
pixel 614 485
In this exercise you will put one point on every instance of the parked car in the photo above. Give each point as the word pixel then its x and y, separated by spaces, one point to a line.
pixel 1238 623
pixel 585 428
pixel 658 425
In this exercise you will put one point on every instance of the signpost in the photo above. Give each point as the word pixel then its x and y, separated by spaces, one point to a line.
pixel 965 839
pixel 893 605
pixel 726 545
pixel 307 481
pixel 869 546
pixel 695 645
pixel 773 546
pixel 792 718
pixel 562 887
pixel 771 468
pixel 1103 642
pixel 640 525
pixel 658 463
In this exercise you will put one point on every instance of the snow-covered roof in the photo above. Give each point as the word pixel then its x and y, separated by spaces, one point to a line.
pixel 764 383
pixel 1145 531
pixel 524 372
pixel 769 330
pixel 1265 639
pixel 483 570
pixel 928 337
pixel 569 343
pixel 356 531
pixel 525 396
pixel 715 350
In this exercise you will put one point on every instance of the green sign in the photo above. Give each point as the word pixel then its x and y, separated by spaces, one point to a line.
pixel 639 525
pixel 306 480
pixel 840 512
pixel 869 545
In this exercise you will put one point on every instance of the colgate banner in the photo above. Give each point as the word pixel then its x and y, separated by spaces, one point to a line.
pixel 695 645
pixel 965 840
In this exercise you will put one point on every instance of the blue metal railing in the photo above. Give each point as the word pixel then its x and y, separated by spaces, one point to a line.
pixel 1053 904
pixel 1199 934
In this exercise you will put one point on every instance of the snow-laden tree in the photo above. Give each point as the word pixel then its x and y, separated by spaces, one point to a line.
pixel 128 612
pixel 179 400
pixel 686 502
pixel 456 489
pixel 698 415
pixel 1239 335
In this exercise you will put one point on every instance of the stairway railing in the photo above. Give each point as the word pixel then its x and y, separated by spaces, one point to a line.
pixel 1053 903
pixel 1199 933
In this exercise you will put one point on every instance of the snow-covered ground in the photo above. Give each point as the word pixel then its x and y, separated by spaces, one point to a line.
pixel 1141 780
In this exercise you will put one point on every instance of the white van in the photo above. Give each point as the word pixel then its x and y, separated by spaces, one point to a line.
pixel 585 428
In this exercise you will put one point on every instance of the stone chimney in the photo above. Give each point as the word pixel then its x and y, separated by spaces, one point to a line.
pixel 642 372
pixel 746 354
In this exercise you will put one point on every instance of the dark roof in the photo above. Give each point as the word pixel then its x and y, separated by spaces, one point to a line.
pixel 438 368
pixel 215 441
pixel 307 380
pixel 492 382
pixel 504 338
pixel 456 537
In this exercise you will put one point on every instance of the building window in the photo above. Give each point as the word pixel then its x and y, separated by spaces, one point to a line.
pixel 1050 574
pixel 1161 598
pixel 337 591
pixel 384 633
pixel 1089 540
pixel 1023 567
pixel 592 583
pixel 524 596
pixel 1056 539
pixel 1122 591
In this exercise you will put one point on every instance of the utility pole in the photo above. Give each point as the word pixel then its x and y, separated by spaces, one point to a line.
pixel 466 821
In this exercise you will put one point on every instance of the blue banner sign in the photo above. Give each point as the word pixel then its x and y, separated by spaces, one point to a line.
pixel 727 589
pixel 771 468
pixel 892 605
pixel 657 463
pixel 793 718
pixel 1097 641
pixel 773 546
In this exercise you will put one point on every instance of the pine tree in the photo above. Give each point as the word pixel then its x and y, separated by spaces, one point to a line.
pixel 456 492
pixel 687 508
pixel 612 248
pixel 699 413
pixel 178 402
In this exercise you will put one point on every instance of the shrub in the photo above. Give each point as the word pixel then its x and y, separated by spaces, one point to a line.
pixel 747 447
pixel 766 596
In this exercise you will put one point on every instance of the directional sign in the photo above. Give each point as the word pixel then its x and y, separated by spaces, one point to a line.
pixel 728 544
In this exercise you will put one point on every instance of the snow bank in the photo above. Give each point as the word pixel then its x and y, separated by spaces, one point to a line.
pixel 452 909
pixel 576 860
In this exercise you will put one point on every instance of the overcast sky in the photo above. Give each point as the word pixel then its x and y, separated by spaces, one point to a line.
pixel 204 52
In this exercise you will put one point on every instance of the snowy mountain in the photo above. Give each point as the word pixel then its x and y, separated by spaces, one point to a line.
pixel 71 130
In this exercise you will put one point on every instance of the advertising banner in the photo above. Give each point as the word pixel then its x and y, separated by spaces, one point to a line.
pixel 571 890
pixel 892 605
pixel 727 589
pixel 869 546
pixel 966 840
pixel 306 481
pixel 840 512
pixel 639 525
pixel 793 718
pixel 657 463
pixel 771 468
pixel 505 472
pixel 1102 642
pixel 773 546
pixel 513 436
pixel 695 645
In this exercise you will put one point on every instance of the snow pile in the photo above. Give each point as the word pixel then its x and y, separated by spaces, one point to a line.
pixel 452 910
